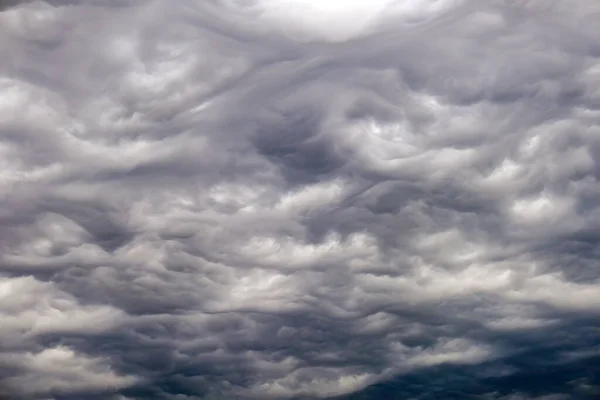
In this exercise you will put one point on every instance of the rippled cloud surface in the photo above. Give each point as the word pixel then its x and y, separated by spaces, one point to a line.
pixel 300 199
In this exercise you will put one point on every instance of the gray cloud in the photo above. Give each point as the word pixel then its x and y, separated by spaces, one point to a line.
pixel 220 199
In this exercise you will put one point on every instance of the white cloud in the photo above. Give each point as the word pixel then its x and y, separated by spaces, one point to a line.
pixel 60 370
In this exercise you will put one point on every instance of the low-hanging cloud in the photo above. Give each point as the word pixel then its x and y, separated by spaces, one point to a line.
pixel 261 199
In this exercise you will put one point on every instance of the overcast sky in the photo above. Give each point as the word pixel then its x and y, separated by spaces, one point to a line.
pixel 300 199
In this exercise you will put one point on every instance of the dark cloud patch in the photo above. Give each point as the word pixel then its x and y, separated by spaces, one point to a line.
pixel 296 147
pixel 8 3
pixel 575 380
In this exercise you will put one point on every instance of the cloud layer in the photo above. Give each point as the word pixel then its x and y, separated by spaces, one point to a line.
pixel 261 199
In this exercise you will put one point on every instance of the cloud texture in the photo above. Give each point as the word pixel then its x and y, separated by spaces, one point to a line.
pixel 227 199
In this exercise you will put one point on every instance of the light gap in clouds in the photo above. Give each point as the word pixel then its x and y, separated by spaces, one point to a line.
pixel 338 20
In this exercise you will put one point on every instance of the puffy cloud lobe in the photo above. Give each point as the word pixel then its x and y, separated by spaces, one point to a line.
pixel 268 200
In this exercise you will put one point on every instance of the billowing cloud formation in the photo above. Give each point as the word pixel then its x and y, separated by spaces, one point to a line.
pixel 287 199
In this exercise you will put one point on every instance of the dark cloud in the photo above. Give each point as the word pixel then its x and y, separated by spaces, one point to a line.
pixel 299 199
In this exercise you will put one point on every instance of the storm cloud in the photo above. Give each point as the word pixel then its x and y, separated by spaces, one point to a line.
pixel 297 199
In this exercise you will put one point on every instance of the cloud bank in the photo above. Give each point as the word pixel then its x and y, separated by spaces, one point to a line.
pixel 299 199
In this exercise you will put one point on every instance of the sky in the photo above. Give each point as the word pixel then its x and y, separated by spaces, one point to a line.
pixel 300 199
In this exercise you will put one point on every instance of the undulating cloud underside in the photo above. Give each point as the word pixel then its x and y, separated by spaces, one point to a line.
pixel 298 199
